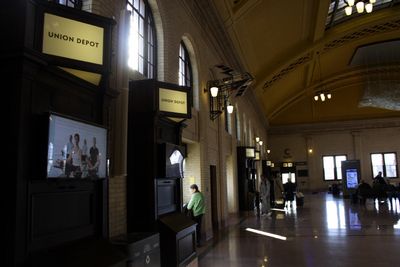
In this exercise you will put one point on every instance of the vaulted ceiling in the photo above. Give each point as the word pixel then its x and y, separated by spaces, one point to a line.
pixel 285 46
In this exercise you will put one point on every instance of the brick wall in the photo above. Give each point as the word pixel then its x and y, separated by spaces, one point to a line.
pixel 208 142
pixel 117 205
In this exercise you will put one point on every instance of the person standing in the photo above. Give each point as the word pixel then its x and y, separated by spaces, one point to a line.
pixel 290 189
pixel 265 188
pixel 198 207
pixel 379 179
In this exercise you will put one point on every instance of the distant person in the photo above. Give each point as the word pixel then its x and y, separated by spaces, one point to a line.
pixel 278 188
pixel 265 188
pixel 379 179
pixel 197 205
pixel 271 190
pixel 289 191
pixel 94 160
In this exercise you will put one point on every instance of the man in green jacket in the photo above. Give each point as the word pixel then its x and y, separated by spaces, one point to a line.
pixel 198 207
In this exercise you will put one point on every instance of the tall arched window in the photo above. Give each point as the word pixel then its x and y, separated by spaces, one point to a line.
pixel 185 69
pixel 237 124
pixel 142 40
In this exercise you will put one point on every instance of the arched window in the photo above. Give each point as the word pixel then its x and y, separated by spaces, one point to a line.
pixel 185 68
pixel 237 124
pixel 142 38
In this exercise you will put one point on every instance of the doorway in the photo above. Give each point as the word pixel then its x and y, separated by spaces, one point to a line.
pixel 214 197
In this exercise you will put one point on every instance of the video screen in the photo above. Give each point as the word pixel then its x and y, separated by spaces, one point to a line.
pixel 75 149
pixel 351 178
pixel 174 164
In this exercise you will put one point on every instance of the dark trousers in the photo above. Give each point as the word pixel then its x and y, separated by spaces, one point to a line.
pixel 198 220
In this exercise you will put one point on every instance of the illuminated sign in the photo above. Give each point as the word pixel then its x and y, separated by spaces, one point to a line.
pixel 250 153
pixel 72 39
pixel 173 101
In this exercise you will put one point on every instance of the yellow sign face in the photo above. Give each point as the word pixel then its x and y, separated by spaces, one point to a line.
pixel 172 101
pixel 250 152
pixel 72 39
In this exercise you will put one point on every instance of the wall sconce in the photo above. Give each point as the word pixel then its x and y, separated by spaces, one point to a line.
pixel 257 139
pixel 214 91
pixel 229 108
pixel 221 89
pixel 260 143
pixel 268 151
pixel 310 150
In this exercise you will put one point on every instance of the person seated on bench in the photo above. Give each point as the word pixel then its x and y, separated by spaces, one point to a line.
pixel 364 191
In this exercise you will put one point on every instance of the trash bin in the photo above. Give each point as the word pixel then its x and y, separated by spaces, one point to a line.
pixel 143 249
pixel 299 199
pixel 335 189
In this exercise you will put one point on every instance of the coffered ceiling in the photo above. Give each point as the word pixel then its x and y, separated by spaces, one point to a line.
pixel 285 46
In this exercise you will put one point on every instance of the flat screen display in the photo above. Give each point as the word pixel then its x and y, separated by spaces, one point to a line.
pixel 351 178
pixel 166 196
pixel 174 164
pixel 75 149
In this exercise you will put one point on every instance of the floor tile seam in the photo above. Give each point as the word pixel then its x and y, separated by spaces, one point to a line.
pixel 222 235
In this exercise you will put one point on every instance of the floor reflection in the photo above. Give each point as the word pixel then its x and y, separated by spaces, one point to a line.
pixel 335 216
pixel 325 228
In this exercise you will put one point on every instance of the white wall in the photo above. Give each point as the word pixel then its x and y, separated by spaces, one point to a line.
pixel 357 140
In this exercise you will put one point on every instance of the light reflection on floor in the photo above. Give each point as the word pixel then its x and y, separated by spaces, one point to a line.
pixel 325 228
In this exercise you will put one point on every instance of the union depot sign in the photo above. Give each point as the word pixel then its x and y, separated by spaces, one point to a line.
pixel 72 39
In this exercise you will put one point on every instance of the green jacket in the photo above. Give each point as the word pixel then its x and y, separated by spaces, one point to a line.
pixel 197 204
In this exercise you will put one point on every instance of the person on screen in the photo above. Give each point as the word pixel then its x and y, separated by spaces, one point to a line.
pixel 84 159
pixel 68 166
pixel 75 158
pixel 84 150
pixel 197 205
pixel 94 160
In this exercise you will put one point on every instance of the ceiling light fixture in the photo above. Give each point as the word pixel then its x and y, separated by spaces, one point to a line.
pixel 360 6
pixel 320 94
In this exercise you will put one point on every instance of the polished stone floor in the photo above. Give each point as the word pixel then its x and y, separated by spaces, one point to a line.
pixel 326 231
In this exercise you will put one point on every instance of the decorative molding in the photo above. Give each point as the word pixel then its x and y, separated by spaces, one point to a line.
pixel 378 28
pixel 383 27
pixel 286 70
pixel 205 14
pixel 326 127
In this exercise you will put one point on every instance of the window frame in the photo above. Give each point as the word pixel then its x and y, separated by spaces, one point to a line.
pixel 335 167
pixel 149 43
pixel 184 61
pixel 384 173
